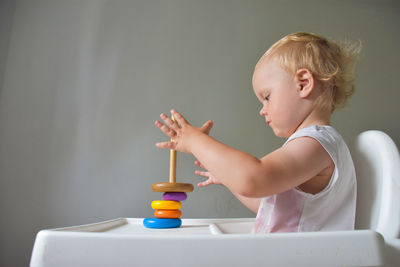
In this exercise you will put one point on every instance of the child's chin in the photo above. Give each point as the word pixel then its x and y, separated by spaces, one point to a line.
pixel 279 133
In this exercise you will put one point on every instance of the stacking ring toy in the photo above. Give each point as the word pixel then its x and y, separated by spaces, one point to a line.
pixel 169 214
pixel 172 186
pixel 167 211
pixel 177 196
pixel 166 205
pixel 162 223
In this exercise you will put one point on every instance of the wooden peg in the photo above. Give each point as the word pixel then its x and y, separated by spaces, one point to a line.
pixel 172 186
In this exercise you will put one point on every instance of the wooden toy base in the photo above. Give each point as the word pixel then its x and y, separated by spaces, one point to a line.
pixel 172 187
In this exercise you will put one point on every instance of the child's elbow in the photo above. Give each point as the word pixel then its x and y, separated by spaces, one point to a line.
pixel 250 188
pixel 247 193
pixel 254 186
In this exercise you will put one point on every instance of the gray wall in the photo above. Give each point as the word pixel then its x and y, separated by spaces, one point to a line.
pixel 82 83
pixel 7 8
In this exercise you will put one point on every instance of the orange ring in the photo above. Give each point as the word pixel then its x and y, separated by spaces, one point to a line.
pixel 168 214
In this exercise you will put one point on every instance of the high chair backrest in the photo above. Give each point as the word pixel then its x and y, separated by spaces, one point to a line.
pixel 377 163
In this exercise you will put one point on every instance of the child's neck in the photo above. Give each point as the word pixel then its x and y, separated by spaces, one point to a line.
pixel 318 117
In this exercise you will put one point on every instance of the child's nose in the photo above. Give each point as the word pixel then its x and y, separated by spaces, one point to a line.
pixel 263 111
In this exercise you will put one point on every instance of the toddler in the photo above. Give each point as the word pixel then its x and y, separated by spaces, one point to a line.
pixel 309 183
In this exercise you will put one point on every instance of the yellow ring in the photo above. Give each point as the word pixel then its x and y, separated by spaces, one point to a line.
pixel 166 205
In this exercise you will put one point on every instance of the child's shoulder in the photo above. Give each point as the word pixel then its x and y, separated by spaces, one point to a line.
pixel 326 136
pixel 302 158
pixel 316 130
pixel 315 147
pixel 312 140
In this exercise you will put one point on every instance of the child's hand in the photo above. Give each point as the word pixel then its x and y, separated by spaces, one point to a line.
pixel 211 178
pixel 182 134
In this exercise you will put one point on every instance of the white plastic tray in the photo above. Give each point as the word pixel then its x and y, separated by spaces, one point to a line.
pixel 202 242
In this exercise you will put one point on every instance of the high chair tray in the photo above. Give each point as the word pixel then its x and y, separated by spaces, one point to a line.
pixel 202 242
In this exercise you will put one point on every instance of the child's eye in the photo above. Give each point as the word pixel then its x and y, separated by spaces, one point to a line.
pixel 267 98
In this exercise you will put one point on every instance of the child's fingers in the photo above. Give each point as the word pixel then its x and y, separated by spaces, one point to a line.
pixel 165 129
pixel 198 163
pixel 169 122
pixel 202 173
pixel 205 183
pixel 179 118
pixel 168 145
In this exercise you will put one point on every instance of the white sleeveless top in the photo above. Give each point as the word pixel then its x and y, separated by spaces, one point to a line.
pixel 331 209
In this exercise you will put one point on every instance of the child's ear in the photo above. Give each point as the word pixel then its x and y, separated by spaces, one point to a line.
pixel 305 82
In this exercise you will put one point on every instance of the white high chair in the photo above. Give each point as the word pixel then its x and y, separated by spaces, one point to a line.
pixel 377 164
pixel 228 242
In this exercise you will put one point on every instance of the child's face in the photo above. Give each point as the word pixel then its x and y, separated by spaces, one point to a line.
pixel 277 91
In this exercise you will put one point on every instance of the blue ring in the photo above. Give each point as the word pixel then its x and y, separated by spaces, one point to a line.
pixel 161 223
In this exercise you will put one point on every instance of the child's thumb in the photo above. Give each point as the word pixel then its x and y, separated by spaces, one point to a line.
pixel 206 128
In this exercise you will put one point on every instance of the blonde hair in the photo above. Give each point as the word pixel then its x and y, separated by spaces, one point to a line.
pixel 331 63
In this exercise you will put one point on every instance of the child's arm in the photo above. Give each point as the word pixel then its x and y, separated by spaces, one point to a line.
pixel 285 168
pixel 250 203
